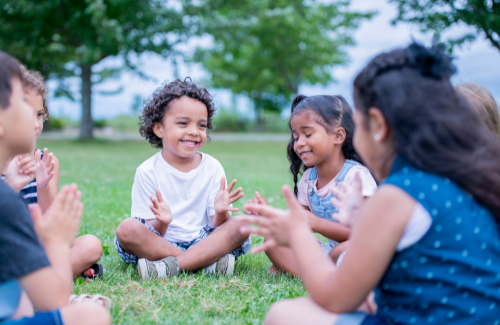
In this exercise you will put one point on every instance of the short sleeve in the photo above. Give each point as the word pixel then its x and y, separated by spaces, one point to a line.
pixel 142 189
pixel 368 184
pixel 21 252
pixel 302 196
pixel 214 190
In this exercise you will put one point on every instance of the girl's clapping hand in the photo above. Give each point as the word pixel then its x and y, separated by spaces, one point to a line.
pixel 348 201
pixel 275 224
pixel 44 168
pixel 258 199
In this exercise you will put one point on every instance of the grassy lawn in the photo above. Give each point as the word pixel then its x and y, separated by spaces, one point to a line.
pixel 105 171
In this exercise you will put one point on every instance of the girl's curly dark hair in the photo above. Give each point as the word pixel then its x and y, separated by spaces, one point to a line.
pixel 34 81
pixel 158 104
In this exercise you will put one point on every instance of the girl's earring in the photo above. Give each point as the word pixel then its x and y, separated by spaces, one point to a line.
pixel 377 137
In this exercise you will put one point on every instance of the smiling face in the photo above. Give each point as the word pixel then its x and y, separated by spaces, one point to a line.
pixel 184 127
pixel 313 144
pixel 35 100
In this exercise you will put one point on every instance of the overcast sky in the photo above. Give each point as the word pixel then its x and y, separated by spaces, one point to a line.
pixel 477 63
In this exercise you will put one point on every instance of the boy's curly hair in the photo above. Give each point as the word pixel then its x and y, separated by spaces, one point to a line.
pixel 33 81
pixel 159 103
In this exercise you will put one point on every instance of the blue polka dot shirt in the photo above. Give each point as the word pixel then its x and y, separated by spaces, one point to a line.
pixel 452 274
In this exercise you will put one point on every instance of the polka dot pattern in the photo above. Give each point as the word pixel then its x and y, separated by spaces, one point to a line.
pixel 453 272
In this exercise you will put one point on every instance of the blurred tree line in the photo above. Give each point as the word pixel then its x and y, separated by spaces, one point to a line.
pixel 264 49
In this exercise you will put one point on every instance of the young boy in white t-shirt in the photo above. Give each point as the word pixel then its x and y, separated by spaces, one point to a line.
pixel 169 233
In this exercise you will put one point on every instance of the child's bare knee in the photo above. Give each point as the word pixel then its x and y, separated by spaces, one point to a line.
pixel 127 230
pixel 235 225
pixel 93 247
pixel 85 313
pixel 277 313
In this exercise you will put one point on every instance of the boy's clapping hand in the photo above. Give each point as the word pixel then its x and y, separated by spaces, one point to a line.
pixel 161 209
pixel 275 224
pixel 59 225
pixel 44 168
pixel 225 197
pixel 258 199
pixel 20 172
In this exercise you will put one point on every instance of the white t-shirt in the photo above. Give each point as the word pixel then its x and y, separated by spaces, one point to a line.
pixel 190 195
pixel 368 184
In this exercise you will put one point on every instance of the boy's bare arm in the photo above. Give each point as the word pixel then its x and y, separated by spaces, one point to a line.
pixel 328 228
pixel 50 287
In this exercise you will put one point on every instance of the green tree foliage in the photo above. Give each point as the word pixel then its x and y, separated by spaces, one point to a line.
pixel 439 15
pixel 66 38
pixel 267 48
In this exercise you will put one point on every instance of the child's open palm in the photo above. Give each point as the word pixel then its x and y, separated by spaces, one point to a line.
pixel 225 197
pixel 161 209
pixel 44 168
pixel 348 201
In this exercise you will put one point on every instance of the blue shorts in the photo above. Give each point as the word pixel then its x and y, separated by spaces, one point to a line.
pixel 204 232
pixel 358 318
pixel 41 318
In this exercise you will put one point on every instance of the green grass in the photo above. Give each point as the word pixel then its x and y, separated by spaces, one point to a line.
pixel 105 171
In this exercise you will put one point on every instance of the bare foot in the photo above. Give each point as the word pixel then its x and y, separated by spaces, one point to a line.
pixel 273 270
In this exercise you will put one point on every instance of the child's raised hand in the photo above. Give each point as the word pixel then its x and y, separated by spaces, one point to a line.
pixel 348 201
pixel 258 199
pixel 60 223
pixel 161 209
pixel 44 168
pixel 20 172
pixel 276 224
pixel 225 197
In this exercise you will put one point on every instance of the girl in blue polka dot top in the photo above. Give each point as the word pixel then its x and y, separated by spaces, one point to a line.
pixel 428 241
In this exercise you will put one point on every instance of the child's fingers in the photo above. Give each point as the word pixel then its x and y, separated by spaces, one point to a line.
pixel 235 192
pixel 38 156
pixel 264 247
pixel 336 203
pixel 262 210
pixel 223 183
pixel 258 221
pixel 290 199
pixel 155 210
pixel 155 203
pixel 337 193
pixel 45 155
pixel 231 185
pixel 233 209
pixel 158 195
pixel 47 158
pixel 260 198
pixel 236 198
pixel 358 187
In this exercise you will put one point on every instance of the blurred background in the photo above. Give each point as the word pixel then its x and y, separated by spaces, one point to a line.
pixel 103 58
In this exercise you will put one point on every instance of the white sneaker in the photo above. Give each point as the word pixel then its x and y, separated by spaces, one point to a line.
pixel 225 265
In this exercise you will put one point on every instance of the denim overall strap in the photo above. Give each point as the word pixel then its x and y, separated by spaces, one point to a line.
pixel 322 207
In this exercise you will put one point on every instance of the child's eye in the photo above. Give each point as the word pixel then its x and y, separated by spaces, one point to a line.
pixel 308 135
pixel 203 126
pixel 182 123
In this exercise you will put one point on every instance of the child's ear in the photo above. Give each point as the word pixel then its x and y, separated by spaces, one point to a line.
pixel 158 130
pixel 340 135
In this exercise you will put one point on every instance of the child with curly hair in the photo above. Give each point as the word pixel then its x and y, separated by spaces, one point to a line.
pixel 35 175
pixel 181 204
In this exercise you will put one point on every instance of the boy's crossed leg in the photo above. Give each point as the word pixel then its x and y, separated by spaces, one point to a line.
pixel 136 239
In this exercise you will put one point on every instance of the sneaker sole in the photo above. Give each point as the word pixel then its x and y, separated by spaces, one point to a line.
pixel 230 264
pixel 142 268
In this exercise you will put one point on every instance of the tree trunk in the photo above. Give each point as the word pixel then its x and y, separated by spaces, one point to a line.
pixel 87 124
pixel 259 121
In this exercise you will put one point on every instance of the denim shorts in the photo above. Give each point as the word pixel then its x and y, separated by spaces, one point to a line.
pixel 358 318
pixel 41 318
pixel 204 232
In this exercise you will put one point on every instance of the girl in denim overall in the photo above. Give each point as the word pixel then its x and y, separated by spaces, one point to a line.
pixel 428 241
pixel 321 149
